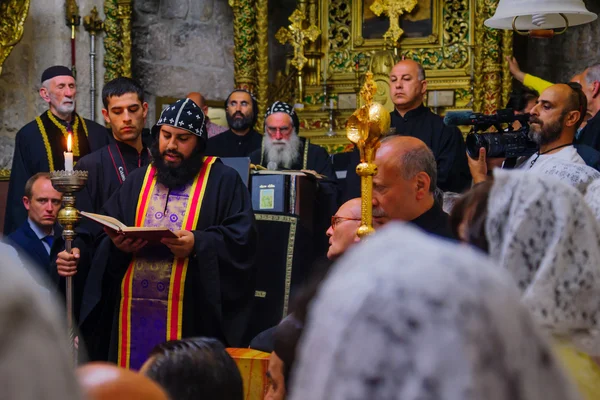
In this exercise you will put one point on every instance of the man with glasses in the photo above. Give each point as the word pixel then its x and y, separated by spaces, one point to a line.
pixel 241 139
pixel 345 222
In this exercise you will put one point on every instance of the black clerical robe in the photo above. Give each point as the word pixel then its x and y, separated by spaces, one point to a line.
pixel 228 144
pixel 39 147
pixel 590 134
pixel 107 169
pixel 446 143
pixel 219 285
pixel 435 221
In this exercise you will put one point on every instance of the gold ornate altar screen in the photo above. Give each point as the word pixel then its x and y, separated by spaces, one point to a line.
pixel 463 60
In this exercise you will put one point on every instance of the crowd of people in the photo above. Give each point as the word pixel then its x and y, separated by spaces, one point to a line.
pixel 482 280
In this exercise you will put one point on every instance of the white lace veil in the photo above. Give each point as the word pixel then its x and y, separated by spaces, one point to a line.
pixel 543 233
pixel 408 316
pixel 576 175
pixel 592 197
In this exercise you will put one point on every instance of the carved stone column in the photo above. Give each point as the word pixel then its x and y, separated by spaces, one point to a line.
pixel 492 81
pixel 245 43
pixel 12 23
pixel 262 71
pixel 124 15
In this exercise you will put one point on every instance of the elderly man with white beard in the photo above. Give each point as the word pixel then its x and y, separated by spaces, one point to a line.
pixel 283 149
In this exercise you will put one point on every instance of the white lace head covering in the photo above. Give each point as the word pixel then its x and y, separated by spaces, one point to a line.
pixel 592 197
pixel 543 233
pixel 576 175
pixel 430 319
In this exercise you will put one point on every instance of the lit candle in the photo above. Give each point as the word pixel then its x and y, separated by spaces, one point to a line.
pixel 68 155
pixel 331 104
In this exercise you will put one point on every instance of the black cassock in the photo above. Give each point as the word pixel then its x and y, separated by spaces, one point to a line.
pixel 228 144
pixel 446 143
pixel 219 285
pixel 32 156
pixel 317 159
pixel 107 169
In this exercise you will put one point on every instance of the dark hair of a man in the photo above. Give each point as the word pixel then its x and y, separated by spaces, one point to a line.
pixel 576 102
pixel 196 368
pixel 29 184
pixel 473 206
pixel 520 97
pixel 285 340
pixel 120 86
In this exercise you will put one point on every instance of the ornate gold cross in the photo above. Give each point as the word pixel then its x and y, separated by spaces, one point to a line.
pixel 298 36
pixel 394 9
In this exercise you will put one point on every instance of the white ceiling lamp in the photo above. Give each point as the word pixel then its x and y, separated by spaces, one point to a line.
pixel 539 18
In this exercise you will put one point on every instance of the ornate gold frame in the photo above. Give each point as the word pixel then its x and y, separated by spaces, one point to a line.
pixel 405 42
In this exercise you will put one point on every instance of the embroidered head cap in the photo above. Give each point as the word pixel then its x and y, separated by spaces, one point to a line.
pixel 56 70
pixel 183 114
pixel 280 106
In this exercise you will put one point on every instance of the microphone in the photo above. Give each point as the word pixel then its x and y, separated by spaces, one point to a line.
pixel 272 166
pixel 455 118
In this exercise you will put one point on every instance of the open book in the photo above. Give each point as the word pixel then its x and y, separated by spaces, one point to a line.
pixel 292 172
pixel 151 234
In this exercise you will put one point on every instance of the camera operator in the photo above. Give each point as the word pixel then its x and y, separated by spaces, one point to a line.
pixel 554 120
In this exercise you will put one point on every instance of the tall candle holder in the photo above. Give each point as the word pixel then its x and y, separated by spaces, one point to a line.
pixel 68 183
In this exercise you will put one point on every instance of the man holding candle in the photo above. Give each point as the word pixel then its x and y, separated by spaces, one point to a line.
pixel 40 145
pixel 198 284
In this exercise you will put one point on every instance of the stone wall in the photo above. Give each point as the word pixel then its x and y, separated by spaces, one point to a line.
pixel 559 58
pixel 45 42
pixel 182 46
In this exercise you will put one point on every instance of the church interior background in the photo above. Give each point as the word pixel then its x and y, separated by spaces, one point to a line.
pixel 177 46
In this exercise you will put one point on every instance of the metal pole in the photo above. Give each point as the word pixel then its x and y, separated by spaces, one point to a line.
pixel 92 76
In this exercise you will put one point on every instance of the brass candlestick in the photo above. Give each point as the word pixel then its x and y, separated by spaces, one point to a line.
pixel 365 128
pixel 69 182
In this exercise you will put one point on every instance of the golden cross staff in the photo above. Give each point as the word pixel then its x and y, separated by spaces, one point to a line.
pixel 297 34
pixel 394 9
pixel 365 128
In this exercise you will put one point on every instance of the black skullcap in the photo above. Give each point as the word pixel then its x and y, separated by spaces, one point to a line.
pixel 57 70
pixel 280 106
pixel 183 114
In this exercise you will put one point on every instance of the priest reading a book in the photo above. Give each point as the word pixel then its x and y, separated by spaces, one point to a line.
pixel 194 278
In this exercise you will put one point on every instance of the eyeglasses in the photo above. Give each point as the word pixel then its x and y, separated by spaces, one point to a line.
pixel 285 130
pixel 335 220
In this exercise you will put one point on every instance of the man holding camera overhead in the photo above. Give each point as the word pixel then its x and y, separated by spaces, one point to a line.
pixel 554 120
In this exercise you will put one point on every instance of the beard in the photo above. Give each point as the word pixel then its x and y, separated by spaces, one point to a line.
pixel 67 106
pixel 179 175
pixel 544 133
pixel 283 152
pixel 239 124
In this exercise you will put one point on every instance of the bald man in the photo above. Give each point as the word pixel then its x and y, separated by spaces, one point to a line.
pixel 212 128
pixel 345 222
pixel 411 117
pixel 103 381
pixel 404 186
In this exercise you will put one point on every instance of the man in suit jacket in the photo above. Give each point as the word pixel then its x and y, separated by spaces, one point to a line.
pixel 34 238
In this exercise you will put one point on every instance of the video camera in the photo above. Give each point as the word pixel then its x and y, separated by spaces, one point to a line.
pixel 505 143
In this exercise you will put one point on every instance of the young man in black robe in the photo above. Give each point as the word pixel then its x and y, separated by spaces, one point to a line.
pixel 411 117
pixel 125 111
pixel 283 149
pixel 241 139
pixel 198 284
pixel 40 145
